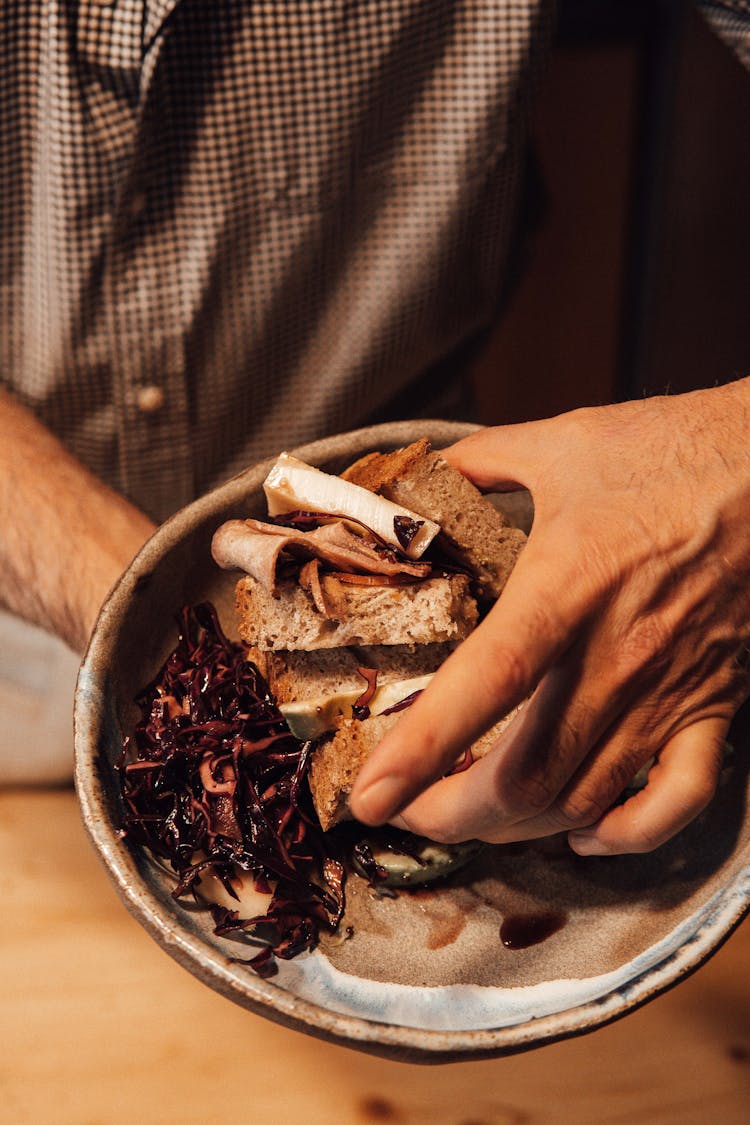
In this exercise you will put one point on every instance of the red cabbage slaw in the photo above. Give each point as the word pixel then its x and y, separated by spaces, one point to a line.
pixel 211 778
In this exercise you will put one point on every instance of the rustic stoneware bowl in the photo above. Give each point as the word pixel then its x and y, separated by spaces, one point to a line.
pixel 426 976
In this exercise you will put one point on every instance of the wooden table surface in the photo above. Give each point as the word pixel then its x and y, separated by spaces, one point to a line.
pixel 98 1026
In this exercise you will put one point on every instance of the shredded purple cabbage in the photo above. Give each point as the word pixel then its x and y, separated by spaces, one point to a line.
pixel 403 703
pixel 212 778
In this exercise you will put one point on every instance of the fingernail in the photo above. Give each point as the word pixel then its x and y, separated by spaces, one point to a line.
pixel 584 844
pixel 380 800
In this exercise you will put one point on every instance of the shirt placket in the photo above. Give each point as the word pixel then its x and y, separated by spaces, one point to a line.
pixel 151 381
pixel 148 367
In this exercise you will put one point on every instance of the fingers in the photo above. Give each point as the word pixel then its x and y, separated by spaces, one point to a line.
pixel 493 670
pixel 502 457
pixel 679 787
pixel 510 793
pixel 487 802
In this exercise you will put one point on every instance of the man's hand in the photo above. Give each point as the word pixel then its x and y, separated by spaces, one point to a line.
pixel 627 616
pixel 65 538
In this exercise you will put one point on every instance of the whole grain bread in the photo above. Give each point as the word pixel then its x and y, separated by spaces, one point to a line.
pixel 337 760
pixel 425 612
pixel 473 531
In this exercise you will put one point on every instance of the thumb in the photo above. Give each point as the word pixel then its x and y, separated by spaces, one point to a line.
pixel 501 458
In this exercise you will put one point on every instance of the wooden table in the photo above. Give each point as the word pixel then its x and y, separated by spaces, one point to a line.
pixel 98 1026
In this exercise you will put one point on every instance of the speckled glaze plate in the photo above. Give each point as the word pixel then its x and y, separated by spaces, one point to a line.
pixel 425 976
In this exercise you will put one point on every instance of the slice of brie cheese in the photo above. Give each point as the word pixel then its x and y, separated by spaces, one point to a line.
pixel 310 718
pixel 294 486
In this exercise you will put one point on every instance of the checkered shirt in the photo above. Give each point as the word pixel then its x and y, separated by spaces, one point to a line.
pixel 230 226
pixel 731 20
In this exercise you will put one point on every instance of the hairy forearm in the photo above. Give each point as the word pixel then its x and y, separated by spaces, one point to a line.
pixel 66 537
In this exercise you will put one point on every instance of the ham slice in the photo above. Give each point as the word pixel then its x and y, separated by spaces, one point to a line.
pixel 255 547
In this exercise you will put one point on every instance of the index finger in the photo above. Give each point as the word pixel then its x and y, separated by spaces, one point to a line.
pixel 535 620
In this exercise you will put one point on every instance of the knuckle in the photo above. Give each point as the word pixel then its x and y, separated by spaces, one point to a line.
pixel 581 807
pixel 572 731
pixel 509 671
pixel 527 795
pixel 537 789
pixel 588 798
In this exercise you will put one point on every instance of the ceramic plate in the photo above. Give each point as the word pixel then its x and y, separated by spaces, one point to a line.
pixel 425 976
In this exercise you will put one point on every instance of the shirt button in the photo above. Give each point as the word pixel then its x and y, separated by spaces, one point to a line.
pixel 149 398
pixel 136 205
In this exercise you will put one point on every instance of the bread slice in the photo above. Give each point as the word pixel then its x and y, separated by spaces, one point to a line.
pixel 433 610
pixel 295 676
pixel 338 759
pixel 473 531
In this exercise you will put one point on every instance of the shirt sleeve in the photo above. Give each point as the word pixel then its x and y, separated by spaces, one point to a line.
pixel 730 19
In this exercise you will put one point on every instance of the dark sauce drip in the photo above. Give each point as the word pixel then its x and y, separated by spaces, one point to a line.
pixel 446 918
pixel 519 931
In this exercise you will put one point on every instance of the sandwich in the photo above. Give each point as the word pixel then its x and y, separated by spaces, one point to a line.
pixel 349 597
pixel 354 592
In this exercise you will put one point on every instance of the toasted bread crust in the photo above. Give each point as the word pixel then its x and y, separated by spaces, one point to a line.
pixel 337 761
pixel 376 471
pixel 473 531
